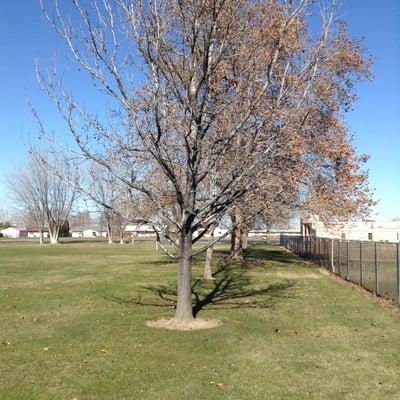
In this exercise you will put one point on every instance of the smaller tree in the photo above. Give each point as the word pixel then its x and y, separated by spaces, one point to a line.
pixel 104 191
pixel 81 219
pixel 5 218
pixel 42 196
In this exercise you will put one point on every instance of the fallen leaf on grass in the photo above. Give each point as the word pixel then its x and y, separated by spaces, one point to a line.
pixel 218 385
pixel 46 349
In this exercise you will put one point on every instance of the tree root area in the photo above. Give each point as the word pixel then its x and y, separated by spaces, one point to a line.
pixel 194 324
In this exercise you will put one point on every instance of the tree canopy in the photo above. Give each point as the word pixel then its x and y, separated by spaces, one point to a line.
pixel 216 106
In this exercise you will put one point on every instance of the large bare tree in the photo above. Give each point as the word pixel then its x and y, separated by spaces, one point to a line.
pixel 239 87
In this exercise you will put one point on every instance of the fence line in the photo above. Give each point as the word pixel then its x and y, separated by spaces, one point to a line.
pixel 372 265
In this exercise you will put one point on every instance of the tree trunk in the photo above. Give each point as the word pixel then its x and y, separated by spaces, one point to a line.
pixel 245 239
pixel 157 245
pixel 237 247
pixel 41 236
pixel 54 234
pixel 53 239
pixel 233 239
pixel 133 238
pixel 109 230
pixel 209 256
pixel 184 311
pixel 236 255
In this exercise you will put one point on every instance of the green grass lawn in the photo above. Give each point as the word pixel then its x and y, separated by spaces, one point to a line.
pixel 72 326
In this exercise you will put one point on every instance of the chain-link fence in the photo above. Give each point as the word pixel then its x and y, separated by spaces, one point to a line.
pixel 373 265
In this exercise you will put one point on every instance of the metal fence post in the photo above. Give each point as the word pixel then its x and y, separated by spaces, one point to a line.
pixel 332 260
pixel 339 257
pixel 319 251
pixel 361 264
pixel 398 271
pixel 314 248
pixel 376 268
pixel 348 253
pixel 311 257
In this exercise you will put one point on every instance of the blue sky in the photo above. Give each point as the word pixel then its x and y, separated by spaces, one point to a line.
pixel 375 120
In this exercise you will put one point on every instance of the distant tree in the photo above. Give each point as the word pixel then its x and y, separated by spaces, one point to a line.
pixel 64 229
pixel 104 189
pixel 5 224
pixel 5 218
pixel 42 196
pixel 81 219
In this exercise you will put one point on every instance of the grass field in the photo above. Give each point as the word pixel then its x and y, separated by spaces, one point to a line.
pixel 72 326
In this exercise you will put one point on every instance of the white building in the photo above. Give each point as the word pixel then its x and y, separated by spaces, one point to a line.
pixel 357 230
pixel 90 233
pixel 20 232
pixel 219 232
pixel 139 230
pixel 87 233
pixel 35 234
pixel 11 232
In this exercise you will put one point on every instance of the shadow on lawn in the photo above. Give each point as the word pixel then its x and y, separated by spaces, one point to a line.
pixel 232 288
pixel 265 254
pixel 257 253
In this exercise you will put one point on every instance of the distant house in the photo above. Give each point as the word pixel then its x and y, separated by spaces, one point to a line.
pixel 218 232
pixel 379 231
pixel 33 233
pixel 139 230
pixel 21 232
pixel 90 233
pixel 75 233
pixel 11 232
pixel 93 232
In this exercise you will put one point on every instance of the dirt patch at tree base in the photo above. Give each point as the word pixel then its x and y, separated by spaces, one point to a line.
pixel 173 324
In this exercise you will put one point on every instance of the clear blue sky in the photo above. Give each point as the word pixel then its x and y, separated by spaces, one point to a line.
pixel 375 121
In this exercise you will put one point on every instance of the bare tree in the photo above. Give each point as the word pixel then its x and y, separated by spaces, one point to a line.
pixel 5 217
pixel 42 196
pixel 80 219
pixel 239 87
pixel 105 190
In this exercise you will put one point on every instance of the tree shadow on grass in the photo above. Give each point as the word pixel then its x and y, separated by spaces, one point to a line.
pixel 266 254
pixel 164 262
pixel 232 288
pixel 261 254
